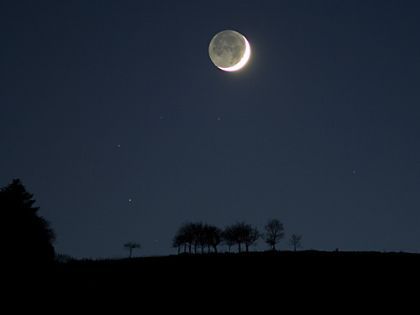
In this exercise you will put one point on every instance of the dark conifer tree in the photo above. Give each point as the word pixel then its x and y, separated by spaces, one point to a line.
pixel 26 237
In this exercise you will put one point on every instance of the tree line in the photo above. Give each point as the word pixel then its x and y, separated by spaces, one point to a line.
pixel 22 220
pixel 206 238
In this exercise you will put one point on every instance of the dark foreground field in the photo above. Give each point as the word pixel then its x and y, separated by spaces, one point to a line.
pixel 281 280
pixel 290 267
pixel 258 276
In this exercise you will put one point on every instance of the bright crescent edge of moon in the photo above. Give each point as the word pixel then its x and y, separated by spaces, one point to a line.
pixel 243 61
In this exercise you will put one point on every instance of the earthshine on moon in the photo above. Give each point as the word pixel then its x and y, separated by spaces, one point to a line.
pixel 229 50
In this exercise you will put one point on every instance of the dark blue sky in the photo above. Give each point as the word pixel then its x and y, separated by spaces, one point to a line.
pixel 106 101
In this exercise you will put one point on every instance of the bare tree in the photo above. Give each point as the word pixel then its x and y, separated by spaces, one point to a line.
pixel 130 246
pixel 236 234
pixel 213 237
pixel 274 232
pixel 241 234
pixel 229 237
pixel 251 236
pixel 178 242
pixel 196 231
pixel 295 241
pixel 185 237
pixel 199 236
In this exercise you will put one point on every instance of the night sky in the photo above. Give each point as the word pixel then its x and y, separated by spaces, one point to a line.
pixel 114 116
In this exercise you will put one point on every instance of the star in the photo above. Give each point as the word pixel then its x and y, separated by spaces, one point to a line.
pixel 130 200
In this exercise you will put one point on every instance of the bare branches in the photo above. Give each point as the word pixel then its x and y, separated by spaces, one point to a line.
pixel 274 232
pixel 295 241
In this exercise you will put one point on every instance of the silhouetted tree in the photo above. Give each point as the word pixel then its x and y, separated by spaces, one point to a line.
pixel 213 236
pixel 130 246
pixel 229 237
pixel 25 236
pixel 200 240
pixel 197 235
pixel 204 236
pixel 187 230
pixel 251 237
pixel 194 233
pixel 235 233
pixel 178 242
pixel 241 234
pixel 295 241
pixel 274 232
pixel 186 236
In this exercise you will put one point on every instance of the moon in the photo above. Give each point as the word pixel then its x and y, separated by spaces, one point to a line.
pixel 229 50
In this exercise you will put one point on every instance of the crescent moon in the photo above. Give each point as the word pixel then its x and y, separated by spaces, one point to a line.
pixel 243 61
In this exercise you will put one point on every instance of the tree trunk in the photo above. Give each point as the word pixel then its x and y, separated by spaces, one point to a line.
pixel 131 251
pixel 247 248
pixel 239 247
